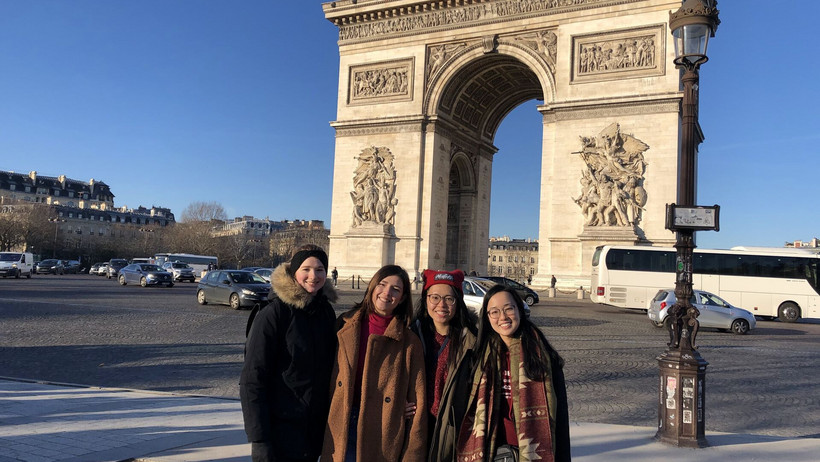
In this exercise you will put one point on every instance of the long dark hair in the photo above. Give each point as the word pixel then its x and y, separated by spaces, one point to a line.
pixel 405 307
pixel 534 345
pixel 464 317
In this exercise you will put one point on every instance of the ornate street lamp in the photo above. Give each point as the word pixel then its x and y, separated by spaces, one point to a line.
pixel 681 413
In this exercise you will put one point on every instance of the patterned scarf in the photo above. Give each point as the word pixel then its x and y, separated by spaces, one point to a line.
pixel 533 407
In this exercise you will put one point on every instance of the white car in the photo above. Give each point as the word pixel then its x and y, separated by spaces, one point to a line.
pixel 474 290
pixel 714 311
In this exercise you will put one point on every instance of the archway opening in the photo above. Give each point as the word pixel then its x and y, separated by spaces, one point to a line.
pixel 473 105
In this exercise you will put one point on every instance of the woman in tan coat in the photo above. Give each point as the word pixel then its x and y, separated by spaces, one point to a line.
pixel 378 375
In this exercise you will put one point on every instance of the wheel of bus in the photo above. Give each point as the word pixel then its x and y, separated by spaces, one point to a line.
pixel 200 297
pixel 234 301
pixel 788 312
pixel 122 280
pixel 740 326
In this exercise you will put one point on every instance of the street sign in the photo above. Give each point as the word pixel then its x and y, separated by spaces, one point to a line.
pixel 695 217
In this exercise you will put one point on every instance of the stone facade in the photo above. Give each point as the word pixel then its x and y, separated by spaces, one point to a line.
pixel 429 82
pixel 512 258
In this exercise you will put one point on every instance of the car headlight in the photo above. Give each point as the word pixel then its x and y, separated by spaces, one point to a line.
pixel 248 292
pixel 152 276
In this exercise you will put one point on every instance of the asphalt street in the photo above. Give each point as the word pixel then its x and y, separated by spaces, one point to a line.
pixel 90 330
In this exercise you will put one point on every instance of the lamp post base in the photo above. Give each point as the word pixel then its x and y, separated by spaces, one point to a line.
pixel 682 388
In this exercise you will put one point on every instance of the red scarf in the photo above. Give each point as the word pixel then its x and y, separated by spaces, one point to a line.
pixel 534 405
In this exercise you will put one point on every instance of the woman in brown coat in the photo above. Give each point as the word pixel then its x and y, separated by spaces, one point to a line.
pixel 379 371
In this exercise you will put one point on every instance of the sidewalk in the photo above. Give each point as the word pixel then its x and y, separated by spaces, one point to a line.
pixel 69 423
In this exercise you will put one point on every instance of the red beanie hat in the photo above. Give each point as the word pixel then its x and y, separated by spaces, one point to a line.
pixel 451 278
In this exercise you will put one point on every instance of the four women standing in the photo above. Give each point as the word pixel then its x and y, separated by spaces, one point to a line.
pixel 478 398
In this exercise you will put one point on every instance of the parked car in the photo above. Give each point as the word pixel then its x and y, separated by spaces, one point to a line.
pixel 94 268
pixel 714 311
pixel 114 266
pixel 528 295
pixel 180 271
pixel 71 266
pixel 16 264
pixel 102 270
pixel 475 288
pixel 264 272
pixel 50 266
pixel 236 288
pixel 146 274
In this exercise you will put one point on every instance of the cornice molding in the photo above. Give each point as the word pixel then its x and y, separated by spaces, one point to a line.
pixel 362 21
pixel 613 108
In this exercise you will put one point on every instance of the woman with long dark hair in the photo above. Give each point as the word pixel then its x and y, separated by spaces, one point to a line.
pixel 517 406
pixel 447 329
pixel 377 378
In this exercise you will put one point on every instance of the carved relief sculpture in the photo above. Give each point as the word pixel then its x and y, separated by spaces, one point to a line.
pixel 612 192
pixel 374 187
pixel 629 53
pixel 382 82
pixel 543 42
pixel 437 55
pixel 619 54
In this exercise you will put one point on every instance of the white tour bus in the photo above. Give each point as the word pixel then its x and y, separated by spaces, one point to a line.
pixel 198 262
pixel 772 282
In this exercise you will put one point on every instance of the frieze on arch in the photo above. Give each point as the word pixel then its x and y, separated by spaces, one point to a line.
pixel 434 14
pixel 618 55
pixel 612 192
pixel 374 188
pixel 381 82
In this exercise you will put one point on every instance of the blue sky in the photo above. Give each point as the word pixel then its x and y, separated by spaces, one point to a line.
pixel 175 101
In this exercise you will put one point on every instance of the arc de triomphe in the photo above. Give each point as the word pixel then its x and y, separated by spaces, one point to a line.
pixel 423 87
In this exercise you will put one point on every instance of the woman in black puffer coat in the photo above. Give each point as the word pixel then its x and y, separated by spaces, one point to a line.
pixel 289 355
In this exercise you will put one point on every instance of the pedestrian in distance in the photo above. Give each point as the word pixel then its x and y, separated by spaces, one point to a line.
pixel 289 356
pixel 517 403
pixel 334 275
pixel 378 379
pixel 447 329
pixel 553 281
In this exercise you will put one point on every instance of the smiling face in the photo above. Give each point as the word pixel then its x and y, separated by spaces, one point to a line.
pixel 311 275
pixel 504 315
pixel 438 308
pixel 387 295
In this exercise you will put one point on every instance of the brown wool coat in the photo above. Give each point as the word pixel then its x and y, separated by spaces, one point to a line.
pixel 393 376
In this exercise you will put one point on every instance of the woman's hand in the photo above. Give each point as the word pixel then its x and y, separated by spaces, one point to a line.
pixel 410 410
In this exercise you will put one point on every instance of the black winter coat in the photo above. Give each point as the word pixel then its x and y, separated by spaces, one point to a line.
pixel 289 355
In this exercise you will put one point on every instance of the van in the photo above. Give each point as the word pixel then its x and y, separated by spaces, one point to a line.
pixel 16 264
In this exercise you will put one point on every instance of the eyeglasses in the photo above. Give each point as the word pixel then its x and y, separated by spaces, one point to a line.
pixel 435 299
pixel 496 313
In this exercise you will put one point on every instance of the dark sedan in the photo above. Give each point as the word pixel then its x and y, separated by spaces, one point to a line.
pixel 236 288
pixel 50 266
pixel 145 274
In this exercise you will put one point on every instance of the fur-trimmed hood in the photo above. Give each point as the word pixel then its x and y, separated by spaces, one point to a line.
pixel 290 292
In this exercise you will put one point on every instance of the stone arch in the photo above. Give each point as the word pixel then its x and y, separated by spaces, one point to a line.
pixel 461 208
pixel 506 50
pixel 431 81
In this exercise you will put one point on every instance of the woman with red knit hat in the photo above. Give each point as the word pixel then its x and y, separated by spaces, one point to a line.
pixel 447 329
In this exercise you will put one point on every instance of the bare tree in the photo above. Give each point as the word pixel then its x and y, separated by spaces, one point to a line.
pixel 203 212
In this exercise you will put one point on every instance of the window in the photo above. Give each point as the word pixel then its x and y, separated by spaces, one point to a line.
pixel 493 257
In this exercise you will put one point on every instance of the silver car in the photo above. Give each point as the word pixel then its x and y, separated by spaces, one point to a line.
pixel 474 290
pixel 181 271
pixel 714 311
